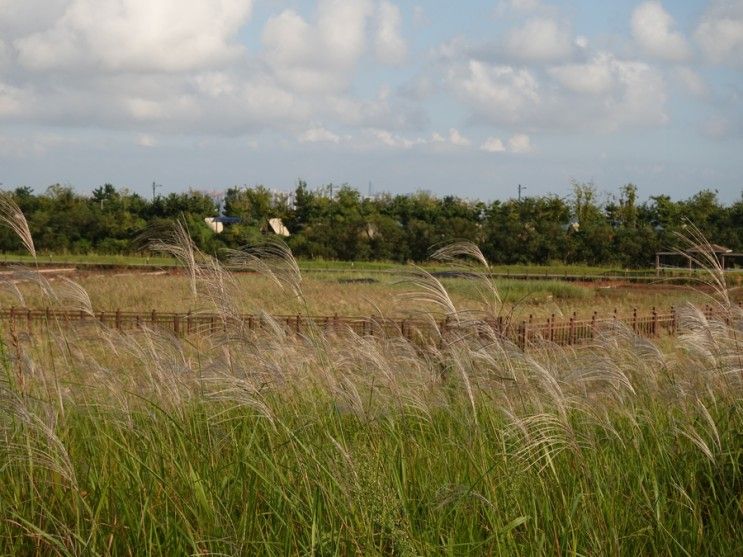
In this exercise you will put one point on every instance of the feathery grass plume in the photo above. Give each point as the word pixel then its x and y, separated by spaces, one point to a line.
pixel 208 280
pixel 39 444
pixel 715 343
pixel 696 246
pixel 24 274
pixel 273 259
pixel 468 257
pixel 427 289
pixel 177 243
pixel 239 393
pixel 74 296
pixel 12 216
pixel 708 439
pixel 543 436
pixel 10 284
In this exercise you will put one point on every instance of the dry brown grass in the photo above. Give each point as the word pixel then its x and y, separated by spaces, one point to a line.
pixel 326 294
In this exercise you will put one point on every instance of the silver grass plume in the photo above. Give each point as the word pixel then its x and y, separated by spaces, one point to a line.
pixel 273 259
pixel 12 216
pixel 468 256
pixel 178 244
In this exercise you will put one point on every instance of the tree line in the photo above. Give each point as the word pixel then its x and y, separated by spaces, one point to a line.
pixel 337 222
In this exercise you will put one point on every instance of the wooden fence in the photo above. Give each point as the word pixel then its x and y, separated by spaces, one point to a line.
pixel 561 331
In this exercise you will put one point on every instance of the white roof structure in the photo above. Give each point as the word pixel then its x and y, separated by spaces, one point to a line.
pixel 216 226
pixel 278 227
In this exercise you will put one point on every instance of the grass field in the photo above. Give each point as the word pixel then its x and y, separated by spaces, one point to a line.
pixel 317 264
pixel 349 294
pixel 242 443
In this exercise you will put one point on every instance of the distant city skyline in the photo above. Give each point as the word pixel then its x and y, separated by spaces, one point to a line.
pixel 469 99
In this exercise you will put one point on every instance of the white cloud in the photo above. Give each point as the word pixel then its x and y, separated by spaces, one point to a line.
pixel 539 39
pixel 720 32
pixel 319 135
pixel 390 139
pixel 12 100
pixel 389 45
pixel 4 55
pixel 603 94
pixel 520 143
pixel 493 145
pixel 691 80
pixel 32 145
pixel 504 91
pixel 453 140
pixel 594 77
pixel 137 35
pixel 641 96
pixel 616 93
pixel 653 29
pixel 21 17
pixel 320 56
pixel 456 138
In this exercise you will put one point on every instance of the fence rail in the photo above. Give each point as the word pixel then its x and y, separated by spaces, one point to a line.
pixel 560 331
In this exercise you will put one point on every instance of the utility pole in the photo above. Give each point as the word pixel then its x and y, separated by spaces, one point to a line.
pixel 520 190
pixel 154 187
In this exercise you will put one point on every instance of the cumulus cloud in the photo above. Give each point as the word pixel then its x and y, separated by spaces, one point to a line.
pixel 720 32
pixel 593 77
pixel 493 145
pixel 540 39
pixel 653 29
pixel 21 17
pixel 450 142
pixel 319 135
pixel 691 81
pixel 320 56
pixel 520 143
pixel 110 35
pixel 505 91
pixel 605 93
pixel 4 55
pixel 389 45
pixel 456 138
pixel 393 140
pixel 12 100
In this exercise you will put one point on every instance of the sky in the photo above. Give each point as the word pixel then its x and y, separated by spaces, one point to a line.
pixel 464 98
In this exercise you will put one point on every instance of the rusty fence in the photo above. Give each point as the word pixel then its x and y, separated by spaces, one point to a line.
pixel 558 330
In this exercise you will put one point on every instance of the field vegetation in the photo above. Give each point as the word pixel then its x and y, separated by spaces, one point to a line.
pixel 354 294
pixel 272 444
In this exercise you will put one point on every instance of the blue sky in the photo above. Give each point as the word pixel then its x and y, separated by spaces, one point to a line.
pixel 469 98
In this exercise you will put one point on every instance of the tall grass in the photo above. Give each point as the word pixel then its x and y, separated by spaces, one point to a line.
pixel 243 443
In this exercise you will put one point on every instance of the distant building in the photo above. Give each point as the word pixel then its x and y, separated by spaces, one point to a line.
pixel 216 224
pixel 276 225
pixel 695 255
